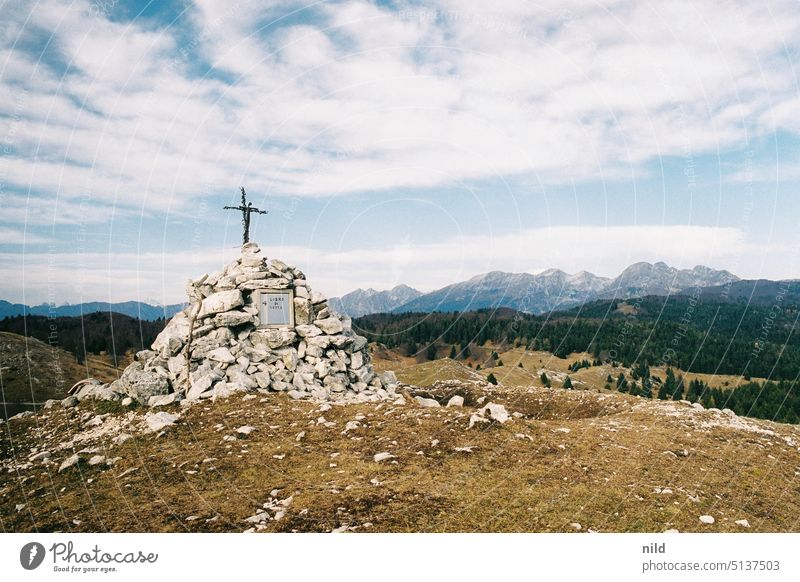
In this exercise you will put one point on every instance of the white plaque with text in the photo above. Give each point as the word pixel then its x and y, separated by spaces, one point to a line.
pixel 276 308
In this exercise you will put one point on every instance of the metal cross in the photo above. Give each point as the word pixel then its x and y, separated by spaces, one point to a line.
pixel 246 209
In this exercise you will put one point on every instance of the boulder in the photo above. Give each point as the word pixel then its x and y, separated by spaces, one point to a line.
pixel 330 325
pixel 306 331
pixel 427 402
pixel 278 265
pixel 272 339
pixel 388 378
pixel 227 389
pixel 98 392
pixel 359 343
pixel 141 384
pixel 222 355
pixel 176 365
pixel 280 283
pixel 322 342
pixel 96 460
pixel 496 412
pixel 317 298
pixel 220 302
pixel 262 379
pixel 232 319
pixel 707 519
pixel 490 412
pixel 173 336
pixel 302 311
pixel 342 342
pixel 456 401
pixel 251 256
pixel 201 381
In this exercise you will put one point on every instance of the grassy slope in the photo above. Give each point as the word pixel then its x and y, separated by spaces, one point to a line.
pixel 527 475
pixel 33 371
pixel 534 363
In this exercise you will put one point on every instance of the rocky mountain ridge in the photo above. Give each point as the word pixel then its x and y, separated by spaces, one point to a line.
pixel 554 289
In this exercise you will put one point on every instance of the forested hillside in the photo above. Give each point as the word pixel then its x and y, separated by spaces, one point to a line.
pixel 693 335
pixel 112 333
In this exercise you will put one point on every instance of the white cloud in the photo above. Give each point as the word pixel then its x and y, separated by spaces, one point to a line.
pixel 14 236
pixel 414 97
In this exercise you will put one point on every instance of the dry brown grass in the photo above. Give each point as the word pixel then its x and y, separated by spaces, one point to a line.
pixel 527 475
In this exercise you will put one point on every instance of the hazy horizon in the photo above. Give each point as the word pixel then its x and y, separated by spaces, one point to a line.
pixel 157 303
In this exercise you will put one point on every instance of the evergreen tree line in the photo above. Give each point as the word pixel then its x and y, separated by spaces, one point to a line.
pixel 777 401
pixel 707 337
pixel 93 333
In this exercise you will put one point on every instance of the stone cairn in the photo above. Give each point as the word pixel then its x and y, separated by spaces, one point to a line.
pixel 214 347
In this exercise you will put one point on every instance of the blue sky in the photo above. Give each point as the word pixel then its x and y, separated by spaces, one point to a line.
pixel 392 142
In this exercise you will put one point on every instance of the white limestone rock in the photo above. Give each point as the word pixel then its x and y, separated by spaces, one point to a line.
pixel 455 401
pixel 173 336
pixel 330 325
pixel 427 402
pixel 222 355
pixel 158 421
pixel 496 412
pixel 141 384
pixel 232 319
pixel 202 381
pixel 306 331
pixel 69 462
pixel 220 302
pixel 707 519
pixel 98 391
pixel 164 400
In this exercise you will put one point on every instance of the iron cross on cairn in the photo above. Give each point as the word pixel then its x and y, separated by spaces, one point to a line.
pixel 246 209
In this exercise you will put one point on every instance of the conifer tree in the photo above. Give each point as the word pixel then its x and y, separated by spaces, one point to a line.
pixel 647 388
pixel 678 394
pixel 668 386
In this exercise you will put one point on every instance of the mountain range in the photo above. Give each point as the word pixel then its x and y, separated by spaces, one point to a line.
pixel 542 292
pixel 531 293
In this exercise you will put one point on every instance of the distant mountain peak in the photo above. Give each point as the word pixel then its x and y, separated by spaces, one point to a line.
pixel 365 301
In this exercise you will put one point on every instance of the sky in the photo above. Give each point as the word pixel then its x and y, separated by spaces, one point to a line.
pixel 392 142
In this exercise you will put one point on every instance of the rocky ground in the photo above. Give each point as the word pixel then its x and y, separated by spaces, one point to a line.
pixel 541 460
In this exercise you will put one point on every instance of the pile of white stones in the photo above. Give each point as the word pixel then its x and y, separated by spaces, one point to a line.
pixel 214 347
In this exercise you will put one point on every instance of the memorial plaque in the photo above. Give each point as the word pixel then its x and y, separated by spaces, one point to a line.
pixel 276 308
